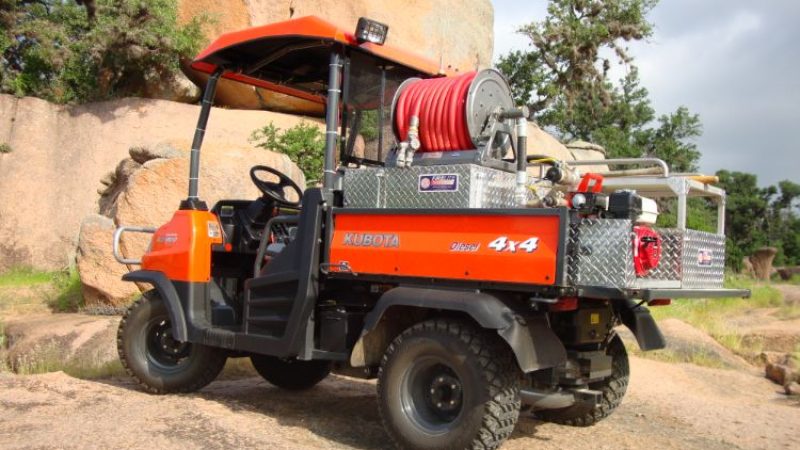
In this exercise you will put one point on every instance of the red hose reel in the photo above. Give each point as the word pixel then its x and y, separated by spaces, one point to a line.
pixel 439 105
pixel 452 111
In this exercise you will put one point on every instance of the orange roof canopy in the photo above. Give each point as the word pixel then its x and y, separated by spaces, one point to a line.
pixel 240 50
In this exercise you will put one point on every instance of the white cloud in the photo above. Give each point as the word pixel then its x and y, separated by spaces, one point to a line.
pixel 735 62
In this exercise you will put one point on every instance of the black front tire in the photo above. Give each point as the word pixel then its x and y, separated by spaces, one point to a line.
pixel 291 374
pixel 448 384
pixel 158 363
pixel 613 389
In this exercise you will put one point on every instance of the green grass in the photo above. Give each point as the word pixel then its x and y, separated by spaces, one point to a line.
pixel 60 290
pixel 68 296
pixel 710 315
pixel 699 358
pixel 25 276
pixel 704 311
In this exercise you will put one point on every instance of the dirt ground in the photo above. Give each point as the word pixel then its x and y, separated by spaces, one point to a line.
pixel 667 406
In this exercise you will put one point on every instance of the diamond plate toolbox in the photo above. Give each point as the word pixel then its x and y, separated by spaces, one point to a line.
pixel 601 254
pixel 445 186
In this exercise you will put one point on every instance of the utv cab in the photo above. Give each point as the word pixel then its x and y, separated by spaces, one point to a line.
pixel 473 280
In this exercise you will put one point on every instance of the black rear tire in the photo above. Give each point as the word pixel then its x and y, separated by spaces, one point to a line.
pixel 448 384
pixel 156 361
pixel 613 389
pixel 291 374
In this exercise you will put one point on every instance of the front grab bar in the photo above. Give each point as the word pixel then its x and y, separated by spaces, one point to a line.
pixel 118 234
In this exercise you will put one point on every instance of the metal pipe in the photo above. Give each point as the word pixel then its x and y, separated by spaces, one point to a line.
pixel 521 193
pixel 622 161
pixel 631 172
pixel 546 400
pixel 200 131
pixel 332 122
pixel 115 243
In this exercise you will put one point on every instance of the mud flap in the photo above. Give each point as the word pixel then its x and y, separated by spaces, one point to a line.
pixel 167 291
pixel 638 319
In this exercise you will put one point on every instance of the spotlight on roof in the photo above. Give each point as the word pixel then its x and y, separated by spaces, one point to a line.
pixel 371 31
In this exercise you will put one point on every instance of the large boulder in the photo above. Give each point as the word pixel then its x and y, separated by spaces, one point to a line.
pixel 145 190
pixel 101 274
pixel 456 33
pixel 62 155
pixel 152 193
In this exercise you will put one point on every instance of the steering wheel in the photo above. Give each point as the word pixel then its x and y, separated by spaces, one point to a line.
pixel 275 191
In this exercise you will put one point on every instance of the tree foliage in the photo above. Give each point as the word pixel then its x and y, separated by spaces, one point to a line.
pixel 757 217
pixel 564 79
pixel 303 143
pixel 70 51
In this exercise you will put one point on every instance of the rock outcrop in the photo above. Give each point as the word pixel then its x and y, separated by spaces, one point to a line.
pixel 456 33
pixel 145 191
pixel 83 345
pixel 101 275
pixel 62 155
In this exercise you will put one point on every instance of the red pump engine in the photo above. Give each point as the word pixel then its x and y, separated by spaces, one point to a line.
pixel 646 250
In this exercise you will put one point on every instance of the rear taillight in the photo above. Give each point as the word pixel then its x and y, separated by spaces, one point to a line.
pixel 565 304
pixel 659 302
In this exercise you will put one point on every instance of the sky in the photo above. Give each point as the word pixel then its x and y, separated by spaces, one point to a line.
pixel 736 63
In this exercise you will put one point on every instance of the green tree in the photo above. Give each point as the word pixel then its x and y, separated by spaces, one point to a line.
pixel 564 80
pixel 303 143
pixel 64 52
pixel 757 217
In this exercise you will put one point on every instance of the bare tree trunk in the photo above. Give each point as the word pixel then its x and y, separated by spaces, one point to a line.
pixel 762 262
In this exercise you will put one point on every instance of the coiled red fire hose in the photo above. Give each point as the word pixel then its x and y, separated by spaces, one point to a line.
pixel 439 105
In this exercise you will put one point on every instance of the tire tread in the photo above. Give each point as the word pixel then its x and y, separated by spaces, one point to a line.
pixel 499 369
pixel 207 375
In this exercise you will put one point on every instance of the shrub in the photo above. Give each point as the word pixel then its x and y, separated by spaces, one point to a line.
pixel 54 50
pixel 5 148
pixel 68 296
pixel 303 143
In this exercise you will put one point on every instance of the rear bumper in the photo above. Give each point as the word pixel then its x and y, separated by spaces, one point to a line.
pixel 659 293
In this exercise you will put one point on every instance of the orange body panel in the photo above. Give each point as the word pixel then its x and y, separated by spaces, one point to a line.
pixel 496 248
pixel 181 248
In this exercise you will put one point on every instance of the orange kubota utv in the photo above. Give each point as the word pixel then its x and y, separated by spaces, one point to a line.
pixel 473 280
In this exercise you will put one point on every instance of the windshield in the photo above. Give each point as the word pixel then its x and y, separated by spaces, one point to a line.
pixel 366 126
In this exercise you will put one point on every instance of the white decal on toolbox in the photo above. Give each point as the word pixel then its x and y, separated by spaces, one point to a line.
pixel 503 244
pixel 704 257
pixel 438 182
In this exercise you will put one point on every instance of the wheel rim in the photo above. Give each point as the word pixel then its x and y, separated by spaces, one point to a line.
pixel 162 350
pixel 432 395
